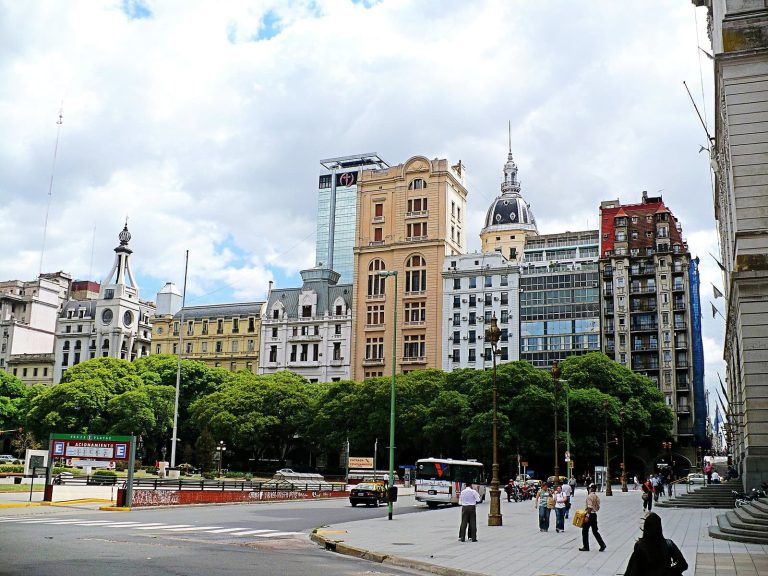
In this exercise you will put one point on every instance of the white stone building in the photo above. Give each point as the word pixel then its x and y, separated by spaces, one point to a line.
pixel 116 324
pixel 308 330
pixel 28 312
pixel 477 287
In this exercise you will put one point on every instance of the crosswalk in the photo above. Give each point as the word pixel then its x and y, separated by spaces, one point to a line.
pixel 161 527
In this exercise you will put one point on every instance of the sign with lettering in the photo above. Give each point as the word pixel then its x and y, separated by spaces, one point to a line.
pixel 360 462
pixel 90 446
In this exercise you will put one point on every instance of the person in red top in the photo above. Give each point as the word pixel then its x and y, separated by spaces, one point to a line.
pixel 647 488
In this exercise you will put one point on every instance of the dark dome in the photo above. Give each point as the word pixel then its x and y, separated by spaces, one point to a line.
pixel 510 210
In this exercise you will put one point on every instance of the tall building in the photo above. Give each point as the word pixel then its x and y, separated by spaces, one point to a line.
pixel 28 312
pixel 410 218
pixel 308 330
pixel 115 325
pixel 220 335
pixel 739 34
pixel 337 209
pixel 559 297
pixel 477 287
pixel 648 307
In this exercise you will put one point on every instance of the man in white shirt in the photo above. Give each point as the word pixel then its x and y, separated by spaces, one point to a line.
pixel 468 498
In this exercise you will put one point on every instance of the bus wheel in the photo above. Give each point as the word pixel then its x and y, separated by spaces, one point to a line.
pixel 432 504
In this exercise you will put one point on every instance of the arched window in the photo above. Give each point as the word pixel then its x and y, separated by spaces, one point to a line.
pixel 77 345
pixel 375 281
pixel 417 184
pixel 66 345
pixel 415 274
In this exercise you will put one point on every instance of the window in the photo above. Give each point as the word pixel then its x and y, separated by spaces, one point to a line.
pixel 414 346
pixel 504 280
pixel 504 317
pixel 251 324
pixel 235 345
pixel 375 282
pixel 293 353
pixel 235 325
pixel 488 300
pixel 457 301
pixel 339 310
pixel 190 328
pixel 273 353
pixel 472 300
pixel 157 349
pixel 79 327
pixel 378 210
pixel 415 274
pixel 276 313
pixel 204 347
pixel 68 329
pixel 489 281
pixel 219 347
pixel 504 298
pixel 417 205
pixel 304 354
pixel 472 357
pixel 473 281
pixel 337 351
pixel 456 355
pixel 251 345
pixel 315 351
pixel 453 208
pixel 457 283
pixel 219 326
pixel 415 311
pixel 458 214
pixel 306 311
pixel 337 329
pixel 205 327
pixel 472 318
pixel 456 319
pixel 416 230
pixel 189 347
pixel 378 234
pixel 375 316
pixel 274 332
pixel 374 348
pixel 417 184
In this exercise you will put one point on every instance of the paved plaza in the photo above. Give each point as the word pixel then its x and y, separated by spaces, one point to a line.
pixel 519 548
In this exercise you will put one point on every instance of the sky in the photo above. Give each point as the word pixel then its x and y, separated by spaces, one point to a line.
pixel 203 124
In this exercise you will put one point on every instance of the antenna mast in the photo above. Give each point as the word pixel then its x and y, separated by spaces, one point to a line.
pixel 59 122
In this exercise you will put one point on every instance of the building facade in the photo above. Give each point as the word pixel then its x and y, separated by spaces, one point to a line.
pixel 648 306
pixel 308 330
pixel 477 287
pixel 115 325
pixel 410 218
pixel 220 335
pixel 559 297
pixel 28 313
pixel 337 209
pixel 739 33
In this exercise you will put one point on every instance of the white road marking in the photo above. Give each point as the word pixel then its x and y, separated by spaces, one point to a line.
pixel 223 530
pixel 191 529
pixel 164 527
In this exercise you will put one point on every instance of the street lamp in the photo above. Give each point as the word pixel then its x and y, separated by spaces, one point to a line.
pixel 492 335
pixel 220 449
pixel 556 382
pixel 384 274
pixel 624 488
pixel 608 491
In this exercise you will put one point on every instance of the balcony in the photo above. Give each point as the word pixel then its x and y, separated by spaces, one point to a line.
pixel 642 270
pixel 337 362
pixel 644 308
pixel 681 365
pixel 683 409
pixel 638 366
pixel 609 310
pixel 645 347
pixel 681 344
pixel 684 431
pixel 678 287
pixel 305 338
pixel 413 360
pixel 682 387
pixel 607 272
pixel 375 326
pixel 373 362
pixel 644 326
pixel 415 294
pixel 375 296
pixel 678 306
pixel 413 323
pixel 680 326
pixel 417 214
pixel 642 289
pixel 378 219
pixel 610 347
pixel 376 243
pixel 416 238
pixel 607 291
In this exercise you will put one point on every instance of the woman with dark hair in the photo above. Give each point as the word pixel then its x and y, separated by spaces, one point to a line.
pixel 655 555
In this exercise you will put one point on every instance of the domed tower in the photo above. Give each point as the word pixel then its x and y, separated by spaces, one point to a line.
pixel 509 220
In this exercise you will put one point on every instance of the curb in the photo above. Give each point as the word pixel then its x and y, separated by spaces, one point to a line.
pixel 59 503
pixel 338 546
pixel 115 508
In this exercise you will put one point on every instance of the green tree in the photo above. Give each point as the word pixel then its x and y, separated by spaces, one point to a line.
pixel 13 392
pixel 116 375
pixel 205 448
pixel 71 407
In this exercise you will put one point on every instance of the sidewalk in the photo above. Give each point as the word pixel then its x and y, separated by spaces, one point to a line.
pixel 519 548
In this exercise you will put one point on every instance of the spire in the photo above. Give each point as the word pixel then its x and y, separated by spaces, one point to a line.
pixel 511 185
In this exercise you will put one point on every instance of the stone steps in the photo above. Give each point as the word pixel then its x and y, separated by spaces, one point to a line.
pixel 711 496
pixel 747 524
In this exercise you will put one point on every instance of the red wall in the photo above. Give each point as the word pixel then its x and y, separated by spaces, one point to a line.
pixel 181 497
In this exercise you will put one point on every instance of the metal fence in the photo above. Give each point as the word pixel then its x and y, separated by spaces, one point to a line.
pixel 221 485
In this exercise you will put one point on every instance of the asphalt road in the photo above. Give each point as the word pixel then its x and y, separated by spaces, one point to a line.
pixel 254 539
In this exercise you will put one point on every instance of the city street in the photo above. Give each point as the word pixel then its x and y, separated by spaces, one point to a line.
pixel 256 539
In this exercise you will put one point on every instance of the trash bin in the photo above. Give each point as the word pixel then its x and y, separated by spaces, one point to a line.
pixel 393 494
pixel 17 480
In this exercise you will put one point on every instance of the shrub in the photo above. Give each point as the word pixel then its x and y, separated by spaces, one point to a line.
pixel 73 471
pixel 11 468
pixel 102 472
pixel 150 469
pixel 209 475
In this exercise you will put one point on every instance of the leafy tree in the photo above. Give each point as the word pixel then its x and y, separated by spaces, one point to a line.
pixel 13 392
pixel 146 411
pixel 71 407
pixel 116 375
pixel 205 447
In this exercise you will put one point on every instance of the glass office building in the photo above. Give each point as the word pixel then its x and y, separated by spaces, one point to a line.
pixel 337 211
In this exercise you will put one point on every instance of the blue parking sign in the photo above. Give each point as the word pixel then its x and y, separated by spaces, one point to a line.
pixel 120 451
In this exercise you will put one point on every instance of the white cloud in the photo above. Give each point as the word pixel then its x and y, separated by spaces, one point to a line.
pixel 209 140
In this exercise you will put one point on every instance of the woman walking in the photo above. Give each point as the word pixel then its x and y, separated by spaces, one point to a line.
pixel 561 501
pixel 654 554
pixel 647 488
pixel 542 505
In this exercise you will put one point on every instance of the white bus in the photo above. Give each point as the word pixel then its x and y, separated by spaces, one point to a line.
pixel 439 480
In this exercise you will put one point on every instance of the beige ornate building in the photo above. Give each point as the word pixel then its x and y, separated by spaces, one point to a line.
pixel 409 218
pixel 221 335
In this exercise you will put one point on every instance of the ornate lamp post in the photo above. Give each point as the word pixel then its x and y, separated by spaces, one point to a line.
pixel 384 274
pixel 220 449
pixel 492 336
pixel 556 382
pixel 608 490
pixel 622 414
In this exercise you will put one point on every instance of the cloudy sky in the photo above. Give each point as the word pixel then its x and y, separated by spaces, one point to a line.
pixel 203 123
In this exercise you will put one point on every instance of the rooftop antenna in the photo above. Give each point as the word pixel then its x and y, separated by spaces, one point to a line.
pixel 510 136
pixel 50 184
pixel 93 248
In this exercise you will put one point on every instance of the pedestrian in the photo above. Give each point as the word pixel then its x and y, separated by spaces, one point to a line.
pixel 508 489
pixel 572 484
pixel 568 495
pixel 635 483
pixel 590 522
pixel 708 472
pixel 715 477
pixel 561 501
pixel 468 499
pixel 654 554
pixel 542 505
pixel 655 484
pixel 647 488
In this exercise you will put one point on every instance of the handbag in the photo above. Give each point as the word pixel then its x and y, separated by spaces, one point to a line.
pixel 551 502
pixel 645 496
pixel 580 518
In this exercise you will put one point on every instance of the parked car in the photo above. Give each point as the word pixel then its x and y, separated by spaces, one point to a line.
pixel 696 478
pixel 560 480
pixel 187 469
pixel 369 494
pixel 8 459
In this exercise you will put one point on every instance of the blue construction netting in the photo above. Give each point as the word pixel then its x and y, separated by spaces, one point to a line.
pixel 699 397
